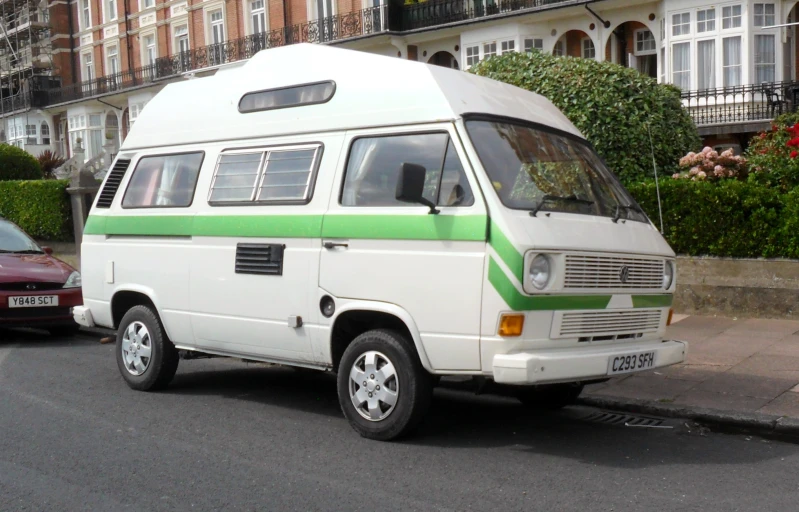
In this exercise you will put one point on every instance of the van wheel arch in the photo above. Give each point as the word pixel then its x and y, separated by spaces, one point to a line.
pixel 123 301
pixel 351 324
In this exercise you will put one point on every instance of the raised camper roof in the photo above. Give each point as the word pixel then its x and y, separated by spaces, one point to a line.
pixel 370 90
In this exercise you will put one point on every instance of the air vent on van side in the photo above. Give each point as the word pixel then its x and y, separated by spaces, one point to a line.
pixel 112 183
pixel 261 259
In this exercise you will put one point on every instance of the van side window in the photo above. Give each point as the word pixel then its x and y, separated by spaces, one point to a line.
pixel 265 176
pixel 374 164
pixel 163 181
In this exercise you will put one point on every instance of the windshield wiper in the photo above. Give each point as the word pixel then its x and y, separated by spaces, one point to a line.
pixel 26 251
pixel 569 199
pixel 620 207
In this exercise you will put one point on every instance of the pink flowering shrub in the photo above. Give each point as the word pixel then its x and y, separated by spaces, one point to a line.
pixel 709 165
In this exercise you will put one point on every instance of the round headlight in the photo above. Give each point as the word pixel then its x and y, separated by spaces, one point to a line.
pixel 540 272
pixel 668 274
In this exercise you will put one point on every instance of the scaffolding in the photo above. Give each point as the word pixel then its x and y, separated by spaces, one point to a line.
pixel 26 56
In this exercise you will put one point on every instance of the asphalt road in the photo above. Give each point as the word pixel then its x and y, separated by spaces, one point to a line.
pixel 234 436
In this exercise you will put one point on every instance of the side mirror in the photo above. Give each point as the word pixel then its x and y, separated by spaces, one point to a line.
pixel 410 186
pixel 48 250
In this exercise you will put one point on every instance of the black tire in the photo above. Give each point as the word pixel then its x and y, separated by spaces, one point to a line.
pixel 64 331
pixel 550 397
pixel 414 393
pixel 163 362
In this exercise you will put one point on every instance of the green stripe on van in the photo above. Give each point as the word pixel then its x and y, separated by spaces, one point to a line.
pixel 652 301
pixel 506 250
pixel 396 227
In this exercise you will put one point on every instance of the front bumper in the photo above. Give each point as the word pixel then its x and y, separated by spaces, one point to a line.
pixel 578 364
pixel 40 316
pixel 83 316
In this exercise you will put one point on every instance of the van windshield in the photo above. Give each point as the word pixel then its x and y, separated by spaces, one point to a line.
pixel 541 171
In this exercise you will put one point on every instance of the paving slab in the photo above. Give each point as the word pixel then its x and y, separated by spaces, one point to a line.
pixel 786 404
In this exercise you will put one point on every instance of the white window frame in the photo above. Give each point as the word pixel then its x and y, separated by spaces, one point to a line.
pixel 689 70
pixel 176 37
pixel 143 4
pixel 764 16
pixel 652 51
pixel 107 56
pixel 44 135
pixel 108 12
pixel 209 29
pixel 683 24
pixel 312 9
pixel 85 6
pixel 251 14
pixel 87 70
pixel 732 17
pixel 471 55
pixel 535 43
pixel 506 46
pixel 715 20
pixel 585 51
pixel 144 46
pixel 755 56
pixel 741 65
pixel 718 70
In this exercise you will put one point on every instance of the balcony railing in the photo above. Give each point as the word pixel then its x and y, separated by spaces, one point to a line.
pixel 746 103
pixel 364 22
pixel 440 12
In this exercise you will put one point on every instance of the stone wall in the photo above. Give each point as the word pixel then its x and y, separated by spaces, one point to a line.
pixel 737 287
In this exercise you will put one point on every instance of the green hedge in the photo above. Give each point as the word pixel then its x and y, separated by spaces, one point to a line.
pixel 18 164
pixel 729 218
pixel 41 208
pixel 610 104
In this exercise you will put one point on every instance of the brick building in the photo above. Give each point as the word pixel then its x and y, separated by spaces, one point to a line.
pixel 93 65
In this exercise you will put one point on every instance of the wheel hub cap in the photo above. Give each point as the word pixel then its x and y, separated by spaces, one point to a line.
pixel 373 386
pixel 136 348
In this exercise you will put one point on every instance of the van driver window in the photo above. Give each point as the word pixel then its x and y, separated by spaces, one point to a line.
pixel 163 181
pixel 374 165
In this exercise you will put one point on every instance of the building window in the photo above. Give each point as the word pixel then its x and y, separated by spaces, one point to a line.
pixel 30 134
pixel 149 50
pixel 88 67
pixel 706 64
pixel 181 35
pixel 662 29
pixel 472 55
pixel 764 15
pixel 163 181
pixel 681 24
pixel 533 44
pixel 110 7
pixel 731 17
pixel 258 16
pixel 765 58
pixel 489 49
pixel 589 52
pixel 146 4
pixel 45 129
pixel 681 65
pixel 374 166
pixel 706 20
pixel 558 49
pixel 663 65
pixel 645 43
pixel 732 62
pixel 86 16
pixel 112 60
pixel 507 46
pixel 217 27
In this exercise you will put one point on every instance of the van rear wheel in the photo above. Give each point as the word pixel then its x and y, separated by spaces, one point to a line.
pixel 383 390
pixel 146 359
pixel 550 397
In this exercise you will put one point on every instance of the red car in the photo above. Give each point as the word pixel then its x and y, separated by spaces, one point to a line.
pixel 36 289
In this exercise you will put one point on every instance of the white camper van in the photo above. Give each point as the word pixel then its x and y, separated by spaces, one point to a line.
pixel 386 220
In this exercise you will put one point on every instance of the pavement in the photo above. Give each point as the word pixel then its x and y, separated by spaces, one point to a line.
pixel 227 435
pixel 743 372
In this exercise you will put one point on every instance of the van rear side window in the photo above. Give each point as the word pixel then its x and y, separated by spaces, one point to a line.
pixel 275 175
pixel 163 181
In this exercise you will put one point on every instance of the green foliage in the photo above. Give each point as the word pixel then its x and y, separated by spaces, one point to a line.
pixel 40 207
pixel 610 104
pixel 774 154
pixel 49 162
pixel 724 218
pixel 18 164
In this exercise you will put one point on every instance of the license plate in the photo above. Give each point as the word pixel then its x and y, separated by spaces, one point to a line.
pixel 33 301
pixel 628 363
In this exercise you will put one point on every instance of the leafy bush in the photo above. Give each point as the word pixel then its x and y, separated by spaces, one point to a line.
pixel 774 154
pixel 709 165
pixel 18 164
pixel 610 104
pixel 726 218
pixel 40 207
pixel 49 162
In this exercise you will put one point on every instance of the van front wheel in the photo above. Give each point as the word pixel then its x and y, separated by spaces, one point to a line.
pixel 147 360
pixel 383 390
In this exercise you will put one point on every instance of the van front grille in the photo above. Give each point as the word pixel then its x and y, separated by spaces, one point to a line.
pixel 610 272
pixel 599 325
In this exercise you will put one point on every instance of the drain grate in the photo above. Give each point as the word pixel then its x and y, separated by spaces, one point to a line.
pixel 612 418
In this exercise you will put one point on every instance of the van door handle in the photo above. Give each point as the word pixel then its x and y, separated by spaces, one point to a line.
pixel 332 245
